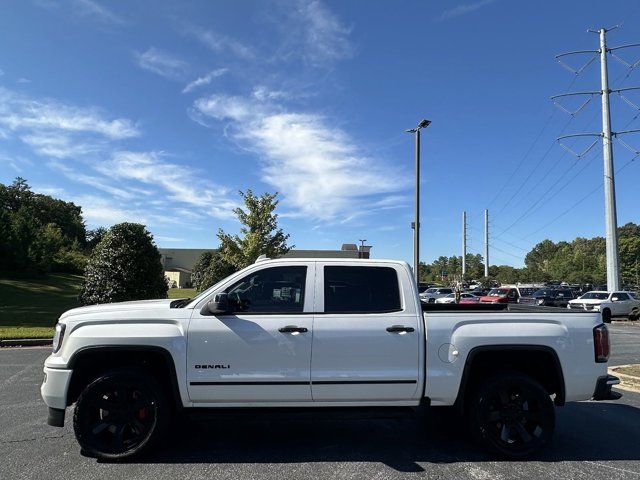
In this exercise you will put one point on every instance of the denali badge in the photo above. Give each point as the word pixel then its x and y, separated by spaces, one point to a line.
pixel 199 367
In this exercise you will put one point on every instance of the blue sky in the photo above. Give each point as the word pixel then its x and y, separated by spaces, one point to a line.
pixel 159 112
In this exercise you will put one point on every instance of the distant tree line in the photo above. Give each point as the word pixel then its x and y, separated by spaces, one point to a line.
pixel 581 261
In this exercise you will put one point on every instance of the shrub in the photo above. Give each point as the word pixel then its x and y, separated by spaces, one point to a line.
pixel 124 265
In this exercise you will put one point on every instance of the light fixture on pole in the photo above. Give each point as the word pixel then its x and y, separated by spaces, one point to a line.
pixel 416 223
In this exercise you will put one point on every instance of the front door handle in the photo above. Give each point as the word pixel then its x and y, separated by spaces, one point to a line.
pixel 293 329
pixel 399 329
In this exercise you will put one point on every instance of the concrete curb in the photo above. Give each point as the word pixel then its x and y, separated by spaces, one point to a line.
pixel 26 342
pixel 635 323
pixel 627 382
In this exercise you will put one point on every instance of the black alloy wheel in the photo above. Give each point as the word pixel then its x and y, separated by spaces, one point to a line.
pixel 512 415
pixel 119 415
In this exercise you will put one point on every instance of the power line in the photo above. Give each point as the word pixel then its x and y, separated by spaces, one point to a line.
pixel 581 200
pixel 531 147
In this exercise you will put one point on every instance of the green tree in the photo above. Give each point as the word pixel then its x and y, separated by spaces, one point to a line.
pixel 125 265
pixel 36 229
pixel 210 268
pixel 259 234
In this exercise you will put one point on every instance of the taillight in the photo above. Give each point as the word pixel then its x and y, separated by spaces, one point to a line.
pixel 601 343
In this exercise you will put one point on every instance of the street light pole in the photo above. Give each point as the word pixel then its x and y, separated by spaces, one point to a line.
pixel 416 222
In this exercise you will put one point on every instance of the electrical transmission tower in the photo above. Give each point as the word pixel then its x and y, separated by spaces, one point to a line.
pixel 611 221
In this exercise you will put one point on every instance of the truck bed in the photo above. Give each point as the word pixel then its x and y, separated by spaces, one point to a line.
pixel 495 307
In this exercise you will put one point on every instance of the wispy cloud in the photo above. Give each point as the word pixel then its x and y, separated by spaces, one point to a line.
pixel 86 147
pixel 218 42
pixel 95 9
pixel 464 9
pixel 317 167
pixel 327 38
pixel 161 63
pixel 58 145
pixel 20 113
pixel 178 182
pixel 91 180
pixel 83 8
pixel 204 80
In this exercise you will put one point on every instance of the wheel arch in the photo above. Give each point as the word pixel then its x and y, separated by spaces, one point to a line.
pixel 482 360
pixel 90 361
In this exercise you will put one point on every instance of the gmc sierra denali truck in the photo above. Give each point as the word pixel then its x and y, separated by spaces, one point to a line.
pixel 318 333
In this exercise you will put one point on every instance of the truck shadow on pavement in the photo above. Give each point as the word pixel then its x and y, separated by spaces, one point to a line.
pixel 584 431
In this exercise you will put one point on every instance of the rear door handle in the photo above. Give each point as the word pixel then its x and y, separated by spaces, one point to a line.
pixel 399 329
pixel 293 329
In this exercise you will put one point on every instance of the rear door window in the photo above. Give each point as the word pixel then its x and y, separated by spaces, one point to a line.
pixel 361 290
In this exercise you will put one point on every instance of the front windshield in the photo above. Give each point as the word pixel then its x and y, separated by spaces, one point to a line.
pixel 498 292
pixel 431 290
pixel 595 296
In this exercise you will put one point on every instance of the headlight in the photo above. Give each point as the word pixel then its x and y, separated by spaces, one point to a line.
pixel 540 301
pixel 58 337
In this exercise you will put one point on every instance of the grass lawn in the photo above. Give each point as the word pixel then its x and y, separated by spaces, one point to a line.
pixel 29 308
pixel 182 292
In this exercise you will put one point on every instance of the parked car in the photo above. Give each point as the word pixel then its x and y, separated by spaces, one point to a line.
pixel 431 294
pixel 469 299
pixel 549 297
pixel 451 298
pixel 247 342
pixel 501 295
pixel 609 304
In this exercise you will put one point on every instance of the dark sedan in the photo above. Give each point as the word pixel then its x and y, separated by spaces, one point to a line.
pixel 549 297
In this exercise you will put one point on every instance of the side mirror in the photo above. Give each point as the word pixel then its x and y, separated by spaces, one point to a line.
pixel 218 306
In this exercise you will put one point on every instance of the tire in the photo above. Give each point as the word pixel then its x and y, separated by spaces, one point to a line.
pixel 120 414
pixel 511 415
pixel 635 313
pixel 606 315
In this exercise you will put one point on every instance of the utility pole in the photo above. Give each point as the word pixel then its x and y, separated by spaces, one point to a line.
pixel 610 215
pixel 464 245
pixel 416 223
pixel 486 243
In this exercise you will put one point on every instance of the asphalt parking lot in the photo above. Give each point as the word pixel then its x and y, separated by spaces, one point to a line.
pixel 594 439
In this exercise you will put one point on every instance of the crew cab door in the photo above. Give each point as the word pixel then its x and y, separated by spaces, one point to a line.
pixel 261 351
pixel 366 336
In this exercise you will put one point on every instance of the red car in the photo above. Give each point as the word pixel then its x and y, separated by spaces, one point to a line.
pixel 501 295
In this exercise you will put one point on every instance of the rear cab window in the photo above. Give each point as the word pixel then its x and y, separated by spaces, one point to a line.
pixel 361 289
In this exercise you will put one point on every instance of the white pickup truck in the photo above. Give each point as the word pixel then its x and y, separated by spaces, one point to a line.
pixel 301 333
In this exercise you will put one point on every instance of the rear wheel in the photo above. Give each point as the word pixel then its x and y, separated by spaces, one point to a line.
pixel 511 415
pixel 120 414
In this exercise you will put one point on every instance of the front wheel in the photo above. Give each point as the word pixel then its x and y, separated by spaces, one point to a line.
pixel 635 313
pixel 120 414
pixel 511 415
